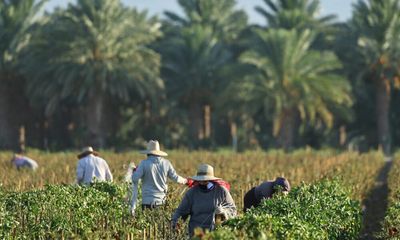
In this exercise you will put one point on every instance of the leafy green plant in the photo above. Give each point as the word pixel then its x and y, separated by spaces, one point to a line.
pixel 319 211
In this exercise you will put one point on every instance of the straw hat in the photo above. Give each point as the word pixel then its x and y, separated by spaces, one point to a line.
pixel 86 151
pixel 205 172
pixel 153 147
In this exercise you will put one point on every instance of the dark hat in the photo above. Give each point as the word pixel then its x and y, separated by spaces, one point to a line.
pixel 283 182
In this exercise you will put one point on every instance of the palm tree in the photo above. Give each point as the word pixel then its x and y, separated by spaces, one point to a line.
pixel 15 18
pixel 377 27
pixel 193 61
pixel 226 22
pixel 94 53
pixel 300 15
pixel 197 51
pixel 294 14
pixel 293 82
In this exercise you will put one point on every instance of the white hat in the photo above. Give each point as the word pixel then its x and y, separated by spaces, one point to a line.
pixel 153 147
pixel 205 172
pixel 87 150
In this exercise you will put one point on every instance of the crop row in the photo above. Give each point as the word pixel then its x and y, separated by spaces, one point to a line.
pixel 391 224
pixel 30 208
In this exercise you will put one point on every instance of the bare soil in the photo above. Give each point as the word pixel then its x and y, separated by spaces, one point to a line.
pixel 375 205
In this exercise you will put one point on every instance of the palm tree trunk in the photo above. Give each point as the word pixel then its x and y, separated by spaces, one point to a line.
pixel 207 121
pixel 382 111
pixel 196 122
pixel 94 119
pixel 288 128
pixel 9 121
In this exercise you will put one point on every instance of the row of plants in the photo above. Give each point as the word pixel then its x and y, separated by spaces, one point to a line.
pixel 243 169
pixel 391 223
pixel 64 210
pixel 318 211
pixel 323 210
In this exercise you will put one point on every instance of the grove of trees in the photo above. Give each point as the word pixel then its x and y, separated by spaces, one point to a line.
pixel 101 73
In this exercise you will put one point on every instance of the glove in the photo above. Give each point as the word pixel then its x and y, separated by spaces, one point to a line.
pixel 133 166
pixel 132 211
pixel 219 210
pixel 189 182
pixel 174 226
pixel 222 212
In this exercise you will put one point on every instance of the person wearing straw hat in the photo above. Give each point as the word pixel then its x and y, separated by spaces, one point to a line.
pixel 91 167
pixel 265 190
pixel 204 202
pixel 154 173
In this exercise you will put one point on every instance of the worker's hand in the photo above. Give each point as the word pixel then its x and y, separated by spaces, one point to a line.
pixel 132 212
pixel 132 166
pixel 174 226
pixel 220 211
pixel 189 182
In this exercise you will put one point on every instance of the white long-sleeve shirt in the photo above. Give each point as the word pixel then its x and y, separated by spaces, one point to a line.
pixel 154 172
pixel 92 168
pixel 23 161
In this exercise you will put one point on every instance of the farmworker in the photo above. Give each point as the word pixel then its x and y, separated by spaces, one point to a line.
pixel 206 203
pixel 129 172
pixel 153 172
pixel 20 161
pixel 91 167
pixel 265 190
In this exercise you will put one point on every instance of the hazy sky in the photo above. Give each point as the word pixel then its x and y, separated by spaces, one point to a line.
pixel 341 8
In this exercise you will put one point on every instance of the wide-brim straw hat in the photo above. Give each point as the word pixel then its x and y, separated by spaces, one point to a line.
pixel 153 147
pixel 86 151
pixel 205 172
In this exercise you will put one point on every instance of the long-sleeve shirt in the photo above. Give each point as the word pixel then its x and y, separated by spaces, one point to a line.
pixel 23 161
pixel 264 190
pixel 201 205
pixel 92 168
pixel 154 172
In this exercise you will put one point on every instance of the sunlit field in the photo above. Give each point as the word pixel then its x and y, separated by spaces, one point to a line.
pixel 47 203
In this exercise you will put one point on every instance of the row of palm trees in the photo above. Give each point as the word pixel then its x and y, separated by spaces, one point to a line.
pixel 101 73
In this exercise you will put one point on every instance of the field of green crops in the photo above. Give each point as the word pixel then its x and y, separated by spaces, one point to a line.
pixel 391 225
pixel 325 203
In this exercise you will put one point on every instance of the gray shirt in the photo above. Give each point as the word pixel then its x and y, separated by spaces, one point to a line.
pixel 264 190
pixel 91 168
pixel 154 172
pixel 201 205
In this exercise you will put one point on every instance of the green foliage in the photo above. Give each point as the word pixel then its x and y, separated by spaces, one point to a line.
pixel 63 211
pixel 199 53
pixel 322 210
pixel 107 53
pixel 101 211
pixel 15 18
pixel 290 79
pixel 391 224
pixel 226 21
pixel 290 14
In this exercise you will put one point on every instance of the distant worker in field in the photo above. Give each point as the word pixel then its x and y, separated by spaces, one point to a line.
pixel 208 202
pixel 129 172
pixel 154 172
pixel 91 167
pixel 265 190
pixel 20 161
